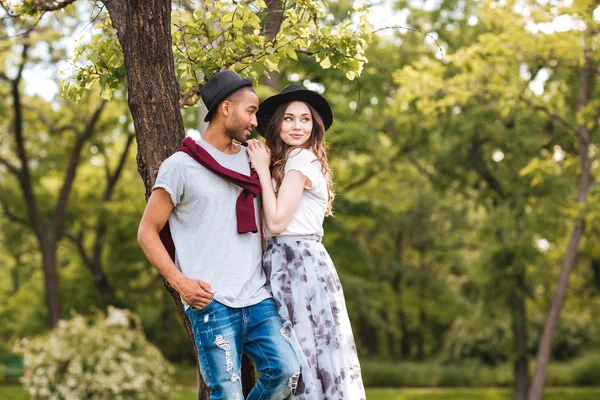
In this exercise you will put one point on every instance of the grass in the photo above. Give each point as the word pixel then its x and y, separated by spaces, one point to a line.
pixel 16 392
pixel 583 371
pixel 477 394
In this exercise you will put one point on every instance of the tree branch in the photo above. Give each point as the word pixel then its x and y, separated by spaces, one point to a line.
pixel 15 171
pixel 185 98
pixel 49 124
pixel 550 114
pixel 78 242
pixel 482 170
pixel 113 178
pixel 65 190
pixel 25 177
pixel 414 30
pixel 16 218
pixel 404 151
pixel 111 181
pixel 44 5
pixel 274 21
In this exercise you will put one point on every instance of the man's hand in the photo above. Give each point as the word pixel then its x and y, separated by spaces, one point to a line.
pixel 194 292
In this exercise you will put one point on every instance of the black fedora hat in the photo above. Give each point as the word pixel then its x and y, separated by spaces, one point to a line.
pixel 289 94
pixel 217 88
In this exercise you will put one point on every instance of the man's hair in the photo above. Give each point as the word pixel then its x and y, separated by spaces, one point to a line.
pixel 234 97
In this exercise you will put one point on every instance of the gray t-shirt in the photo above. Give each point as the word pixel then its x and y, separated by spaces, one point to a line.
pixel 204 227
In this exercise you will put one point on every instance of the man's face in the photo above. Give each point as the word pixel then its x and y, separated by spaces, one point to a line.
pixel 242 115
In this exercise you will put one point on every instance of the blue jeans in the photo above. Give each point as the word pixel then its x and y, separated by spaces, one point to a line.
pixel 223 333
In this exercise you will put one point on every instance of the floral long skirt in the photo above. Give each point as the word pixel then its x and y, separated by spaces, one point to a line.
pixel 309 296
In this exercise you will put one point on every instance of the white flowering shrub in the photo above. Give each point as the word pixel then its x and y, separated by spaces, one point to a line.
pixel 103 357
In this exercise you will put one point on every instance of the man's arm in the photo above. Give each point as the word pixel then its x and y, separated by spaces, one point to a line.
pixel 194 292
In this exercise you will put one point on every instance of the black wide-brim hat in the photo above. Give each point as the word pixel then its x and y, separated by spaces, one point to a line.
pixel 287 95
pixel 219 87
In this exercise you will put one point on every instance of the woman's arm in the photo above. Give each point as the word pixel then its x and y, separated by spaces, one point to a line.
pixel 279 209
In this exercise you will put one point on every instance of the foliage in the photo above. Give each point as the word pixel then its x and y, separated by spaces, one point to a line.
pixel 587 370
pixel 580 371
pixel 222 34
pixel 100 357
pixel 484 338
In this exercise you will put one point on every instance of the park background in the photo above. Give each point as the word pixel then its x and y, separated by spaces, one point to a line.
pixel 466 224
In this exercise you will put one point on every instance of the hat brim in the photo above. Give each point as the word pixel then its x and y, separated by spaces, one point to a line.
pixel 225 92
pixel 267 108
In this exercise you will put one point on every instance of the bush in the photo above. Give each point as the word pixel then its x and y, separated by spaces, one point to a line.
pixel 574 334
pixel 104 357
pixel 587 370
pixel 584 371
pixel 477 338
pixel 433 374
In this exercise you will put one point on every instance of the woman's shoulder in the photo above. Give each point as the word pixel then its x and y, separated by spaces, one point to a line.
pixel 300 155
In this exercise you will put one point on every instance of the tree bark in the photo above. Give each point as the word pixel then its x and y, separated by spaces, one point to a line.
pixel 558 299
pixel 48 246
pixel 274 18
pixel 14 273
pixel 596 272
pixel 144 31
pixel 519 331
pixel 404 340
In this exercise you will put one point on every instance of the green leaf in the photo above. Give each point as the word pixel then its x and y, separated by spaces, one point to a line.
pixel 325 63
pixel 272 63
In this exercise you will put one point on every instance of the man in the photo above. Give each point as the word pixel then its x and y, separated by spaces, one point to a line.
pixel 207 193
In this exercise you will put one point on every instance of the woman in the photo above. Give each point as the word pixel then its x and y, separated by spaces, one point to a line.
pixel 296 193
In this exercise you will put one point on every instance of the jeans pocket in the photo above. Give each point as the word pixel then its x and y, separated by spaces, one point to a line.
pixel 203 309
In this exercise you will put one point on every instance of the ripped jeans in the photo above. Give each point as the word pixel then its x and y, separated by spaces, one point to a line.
pixel 223 333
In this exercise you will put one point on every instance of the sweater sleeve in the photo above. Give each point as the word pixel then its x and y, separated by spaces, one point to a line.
pixel 307 164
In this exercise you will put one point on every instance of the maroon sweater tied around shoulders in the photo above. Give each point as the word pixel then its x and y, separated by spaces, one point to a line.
pixel 244 207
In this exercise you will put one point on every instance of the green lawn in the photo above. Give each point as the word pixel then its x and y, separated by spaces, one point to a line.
pixel 15 392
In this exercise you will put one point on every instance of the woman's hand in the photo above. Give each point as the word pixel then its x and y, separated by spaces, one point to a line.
pixel 259 156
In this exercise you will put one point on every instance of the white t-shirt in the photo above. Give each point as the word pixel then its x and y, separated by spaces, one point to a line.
pixel 309 216
pixel 204 227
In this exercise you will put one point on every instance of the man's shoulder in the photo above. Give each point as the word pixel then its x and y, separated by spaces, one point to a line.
pixel 179 159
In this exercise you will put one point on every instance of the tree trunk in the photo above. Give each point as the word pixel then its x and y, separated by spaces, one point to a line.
pixel 421 335
pixel 543 355
pixel 558 299
pixel 48 246
pixel 596 273
pixel 14 273
pixel 274 19
pixel 144 31
pixel 102 284
pixel 404 340
pixel 519 331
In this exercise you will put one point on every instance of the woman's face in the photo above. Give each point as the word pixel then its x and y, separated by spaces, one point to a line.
pixel 297 124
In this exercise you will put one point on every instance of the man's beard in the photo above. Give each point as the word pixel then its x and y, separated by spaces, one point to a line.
pixel 236 130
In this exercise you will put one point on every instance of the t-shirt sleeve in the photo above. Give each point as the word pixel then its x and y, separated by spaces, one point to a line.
pixel 171 178
pixel 308 164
